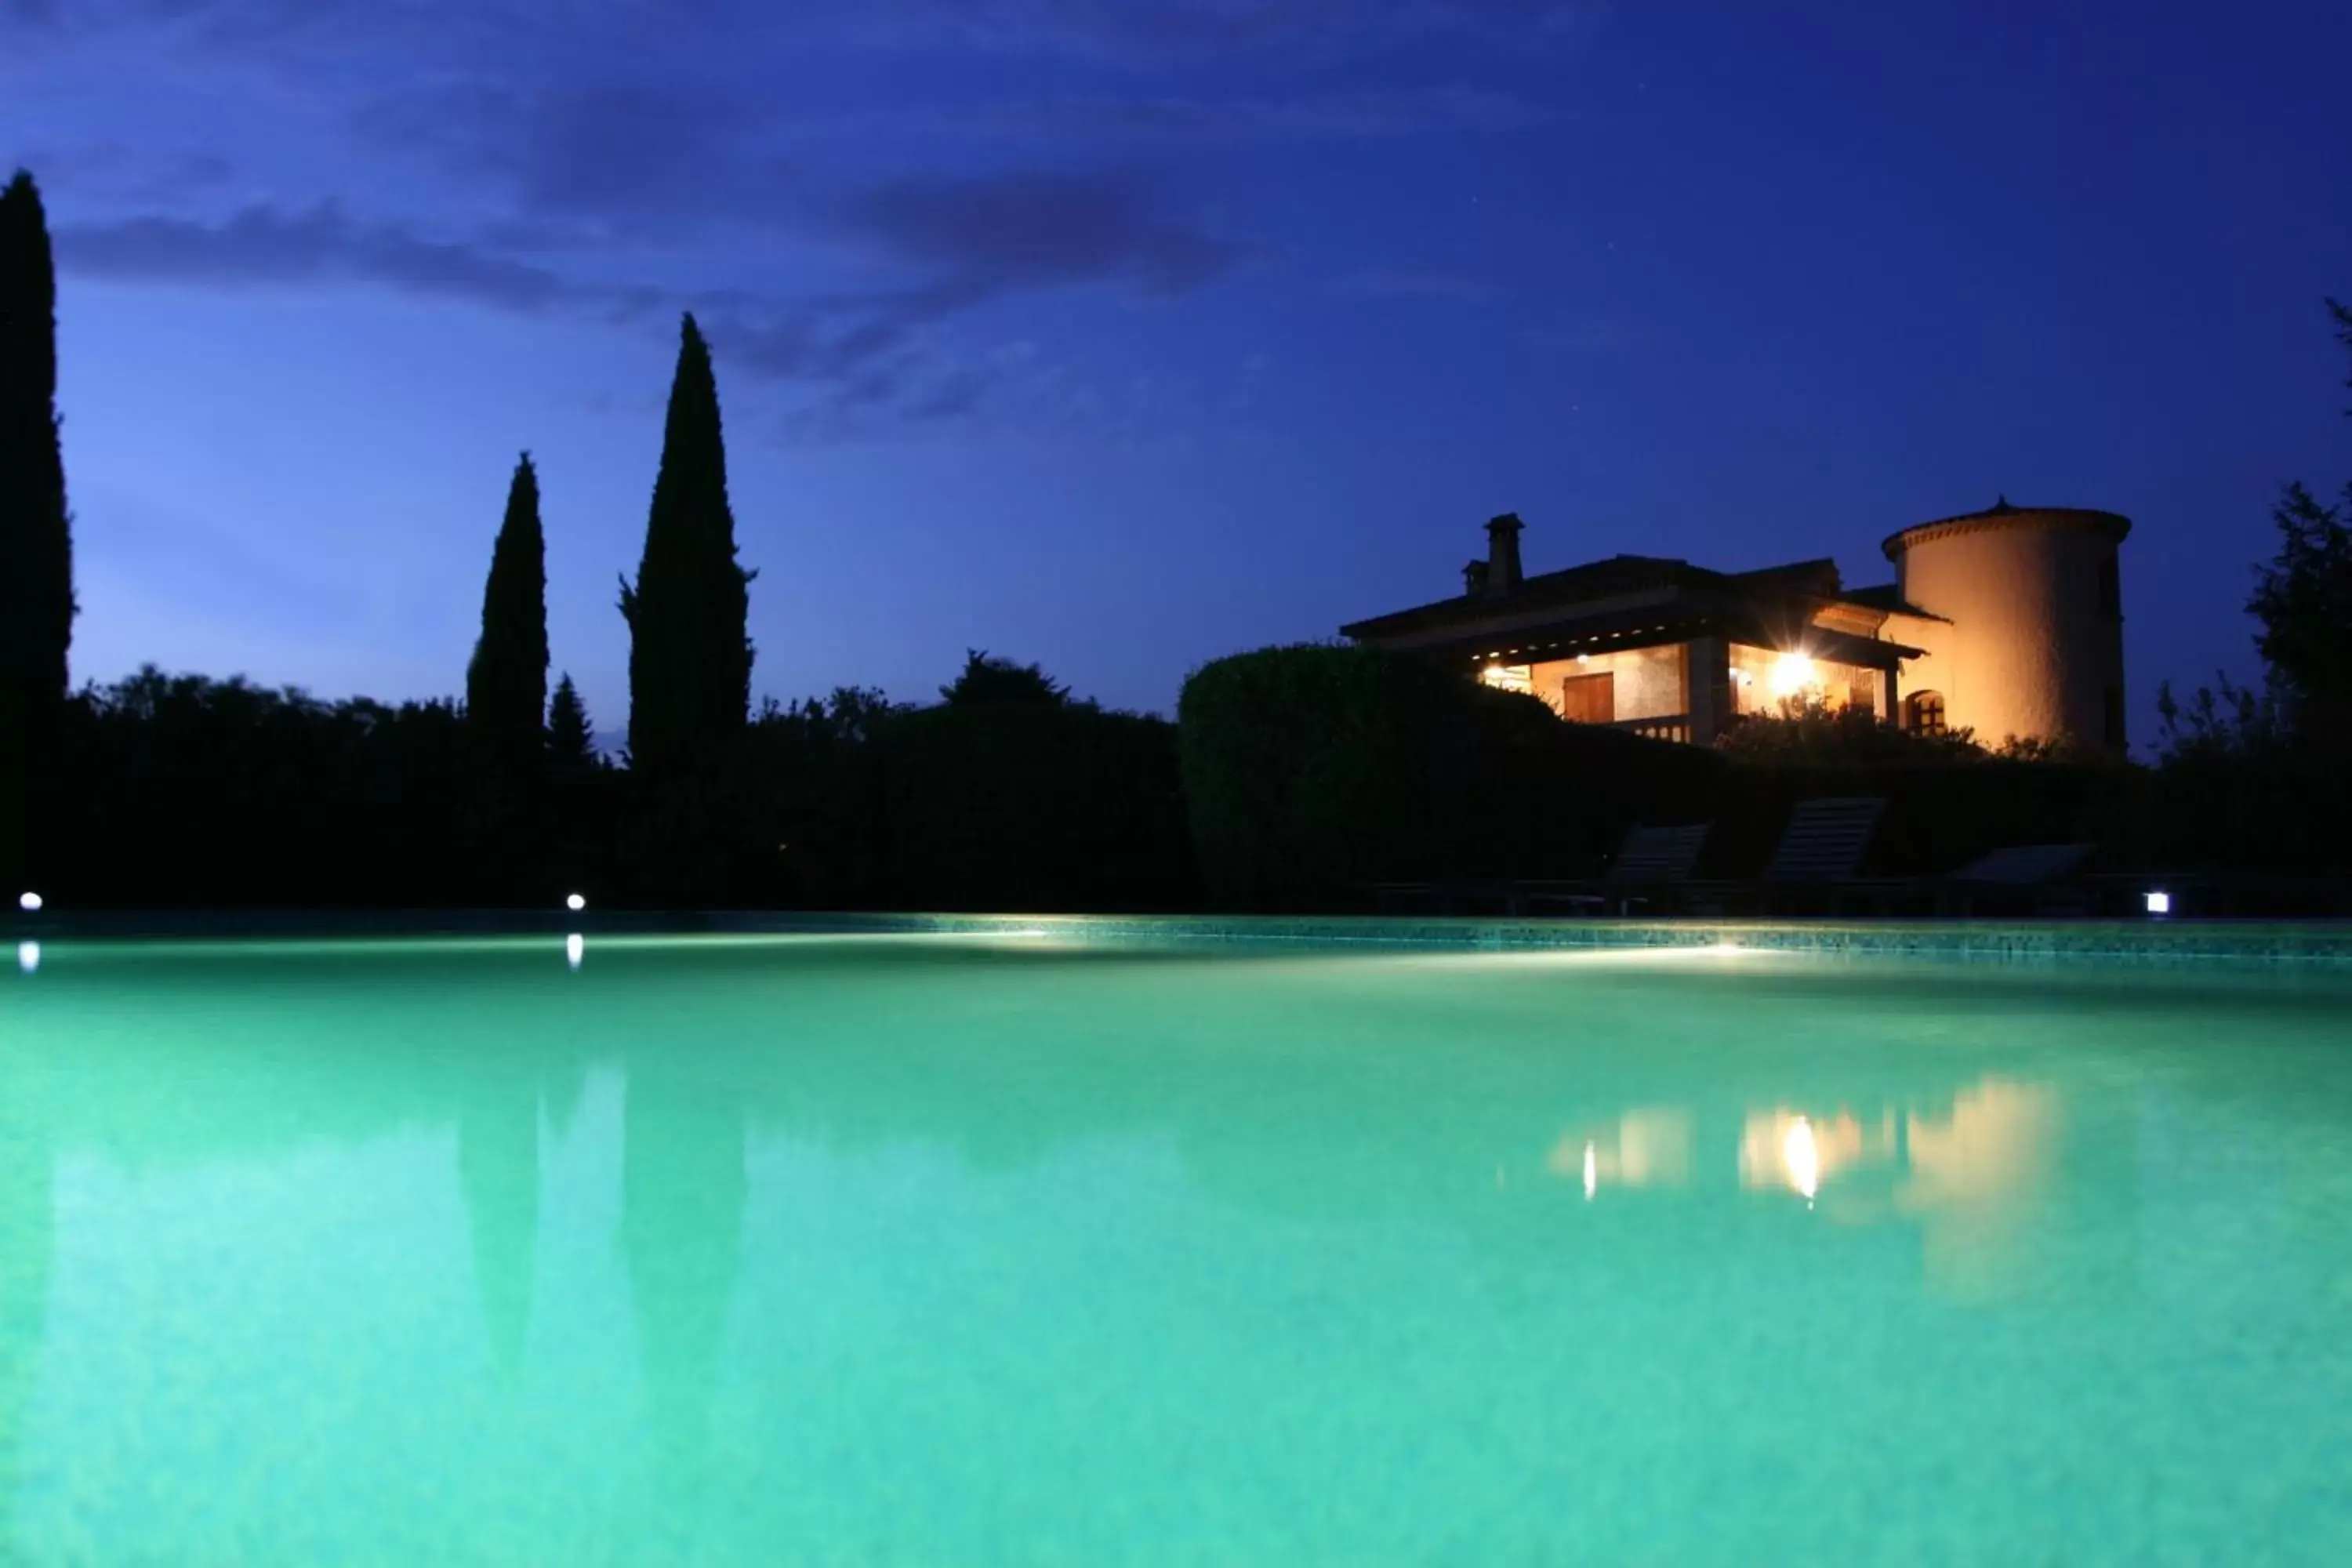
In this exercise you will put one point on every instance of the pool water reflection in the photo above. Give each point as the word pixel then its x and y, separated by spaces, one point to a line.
pixel 924 1250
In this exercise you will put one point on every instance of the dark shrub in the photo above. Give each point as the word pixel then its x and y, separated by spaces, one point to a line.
pixel 183 791
pixel 1025 806
pixel 1939 815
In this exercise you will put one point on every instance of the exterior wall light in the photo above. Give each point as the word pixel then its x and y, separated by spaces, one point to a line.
pixel 575 903
pixel 2159 903
pixel 1792 673
pixel 29 902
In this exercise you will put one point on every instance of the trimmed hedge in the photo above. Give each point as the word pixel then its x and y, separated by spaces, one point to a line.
pixel 1312 771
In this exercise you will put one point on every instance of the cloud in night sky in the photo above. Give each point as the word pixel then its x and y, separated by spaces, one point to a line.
pixel 1362 115
pixel 262 247
pixel 615 160
pixel 962 242
pixel 1156 28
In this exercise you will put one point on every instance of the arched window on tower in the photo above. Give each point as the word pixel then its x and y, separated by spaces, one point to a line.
pixel 1923 712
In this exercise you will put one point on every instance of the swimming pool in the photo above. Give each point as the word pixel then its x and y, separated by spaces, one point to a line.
pixel 974 1249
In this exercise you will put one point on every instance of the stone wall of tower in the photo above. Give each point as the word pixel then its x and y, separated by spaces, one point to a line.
pixel 2034 645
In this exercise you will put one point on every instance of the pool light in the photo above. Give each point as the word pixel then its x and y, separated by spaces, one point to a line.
pixel 28 956
pixel 575 948
pixel 29 902
pixel 2158 903
pixel 575 903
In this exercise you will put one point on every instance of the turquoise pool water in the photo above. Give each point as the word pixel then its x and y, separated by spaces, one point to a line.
pixel 924 1250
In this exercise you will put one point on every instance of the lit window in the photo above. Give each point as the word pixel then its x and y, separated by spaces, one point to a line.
pixel 1924 712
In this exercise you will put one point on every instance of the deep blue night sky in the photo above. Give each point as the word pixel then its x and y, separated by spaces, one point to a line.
pixel 1120 335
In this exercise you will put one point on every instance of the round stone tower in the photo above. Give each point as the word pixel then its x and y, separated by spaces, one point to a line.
pixel 2035 599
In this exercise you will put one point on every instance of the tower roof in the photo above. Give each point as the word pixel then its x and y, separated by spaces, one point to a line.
pixel 2001 514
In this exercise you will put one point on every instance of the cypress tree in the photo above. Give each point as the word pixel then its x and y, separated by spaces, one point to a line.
pixel 37 602
pixel 689 650
pixel 570 741
pixel 506 683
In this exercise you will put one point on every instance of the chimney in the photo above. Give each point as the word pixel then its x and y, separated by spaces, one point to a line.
pixel 1503 553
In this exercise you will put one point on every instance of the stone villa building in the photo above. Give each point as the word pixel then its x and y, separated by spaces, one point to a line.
pixel 2007 622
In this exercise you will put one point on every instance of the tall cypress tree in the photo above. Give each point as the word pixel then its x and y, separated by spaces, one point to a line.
pixel 506 684
pixel 689 651
pixel 37 602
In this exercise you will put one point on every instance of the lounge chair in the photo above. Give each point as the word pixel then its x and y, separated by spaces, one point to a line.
pixel 2035 873
pixel 1651 860
pixel 1820 853
pixel 1824 841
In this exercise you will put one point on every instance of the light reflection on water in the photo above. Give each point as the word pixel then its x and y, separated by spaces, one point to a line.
pixel 929 1252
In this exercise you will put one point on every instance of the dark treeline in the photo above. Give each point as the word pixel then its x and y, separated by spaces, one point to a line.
pixel 1294 778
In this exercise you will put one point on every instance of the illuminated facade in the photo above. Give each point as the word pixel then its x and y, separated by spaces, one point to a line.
pixel 2007 622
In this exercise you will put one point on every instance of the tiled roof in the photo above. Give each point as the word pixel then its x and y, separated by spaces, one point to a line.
pixel 1608 579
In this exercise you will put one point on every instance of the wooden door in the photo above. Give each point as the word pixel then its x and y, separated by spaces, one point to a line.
pixel 1589 698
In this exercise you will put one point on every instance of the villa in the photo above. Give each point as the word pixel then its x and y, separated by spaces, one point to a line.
pixel 2006 622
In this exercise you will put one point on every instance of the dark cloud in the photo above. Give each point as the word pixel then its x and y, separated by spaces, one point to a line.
pixel 1146 29
pixel 615 156
pixel 1161 29
pixel 995 233
pixel 249 22
pixel 1325 117
pixel 261 246
pixel 117 171
pixel 876 355
pixel 965 241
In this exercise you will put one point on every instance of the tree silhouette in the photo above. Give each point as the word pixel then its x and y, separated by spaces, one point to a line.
pixel 506 684
pixel 570 741
pixel 989 679
pixel 2303 601
pixel 689 651
pixel 37 602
